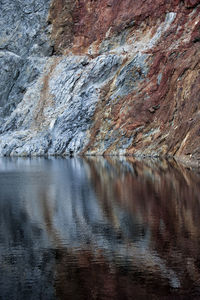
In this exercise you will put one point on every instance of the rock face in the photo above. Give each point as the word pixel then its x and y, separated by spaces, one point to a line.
pixel 100 77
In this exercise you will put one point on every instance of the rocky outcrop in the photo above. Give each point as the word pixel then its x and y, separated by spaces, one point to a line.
pixel 24 40
pixel 100 78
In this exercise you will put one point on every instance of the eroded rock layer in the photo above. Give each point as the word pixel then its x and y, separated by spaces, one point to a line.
pixel 100 77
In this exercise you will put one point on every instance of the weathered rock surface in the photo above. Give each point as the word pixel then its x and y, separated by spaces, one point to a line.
pixel 100 77
pixel 24 29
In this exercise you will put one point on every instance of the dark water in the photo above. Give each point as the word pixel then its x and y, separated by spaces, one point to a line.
pixel 98 229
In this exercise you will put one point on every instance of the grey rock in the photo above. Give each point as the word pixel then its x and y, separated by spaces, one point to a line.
pixel 79 95
pixel 110 42
pixel 9 72
pixel 17 74
pixel 56 112
pixel 132 73
pixel 24 29
pixel 24 40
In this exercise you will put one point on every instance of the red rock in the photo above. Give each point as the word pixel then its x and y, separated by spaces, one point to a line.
pixel 191 3
pixel 175 58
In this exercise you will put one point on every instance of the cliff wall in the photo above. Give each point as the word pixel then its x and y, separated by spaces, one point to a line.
pixel 100 77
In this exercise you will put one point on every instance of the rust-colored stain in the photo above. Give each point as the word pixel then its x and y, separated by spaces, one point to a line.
pixel 60 16
pixel 46 99
pixel 77 24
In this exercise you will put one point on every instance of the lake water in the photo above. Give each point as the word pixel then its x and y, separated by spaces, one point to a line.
pixel 98 229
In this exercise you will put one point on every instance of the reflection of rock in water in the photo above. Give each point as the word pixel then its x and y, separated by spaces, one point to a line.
pixel 25 268
pixel 85 222
pixel 166 198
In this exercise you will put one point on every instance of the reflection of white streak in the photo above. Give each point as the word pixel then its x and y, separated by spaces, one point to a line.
pixel 76 218
pixel 138 256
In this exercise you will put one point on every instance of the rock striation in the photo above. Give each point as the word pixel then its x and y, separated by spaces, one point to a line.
pixel 100 78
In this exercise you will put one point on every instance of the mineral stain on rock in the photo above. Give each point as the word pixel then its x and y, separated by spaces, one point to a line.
pixel 100 77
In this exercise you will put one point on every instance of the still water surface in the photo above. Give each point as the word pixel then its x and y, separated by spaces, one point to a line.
pixel 98 229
